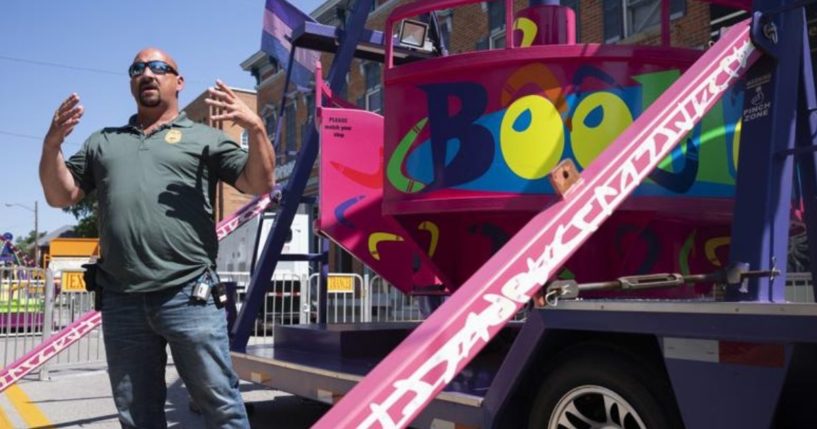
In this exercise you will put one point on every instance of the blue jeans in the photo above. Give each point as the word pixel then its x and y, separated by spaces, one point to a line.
pixel 138 327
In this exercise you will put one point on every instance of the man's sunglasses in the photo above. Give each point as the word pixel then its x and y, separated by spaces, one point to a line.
pixel 157 67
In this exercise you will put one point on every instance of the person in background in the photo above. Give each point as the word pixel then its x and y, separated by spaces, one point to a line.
pixel 155 180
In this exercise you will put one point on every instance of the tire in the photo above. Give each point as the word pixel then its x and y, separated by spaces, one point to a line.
pixel 601 388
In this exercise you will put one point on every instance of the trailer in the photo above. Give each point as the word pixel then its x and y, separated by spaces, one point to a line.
pixel 635 202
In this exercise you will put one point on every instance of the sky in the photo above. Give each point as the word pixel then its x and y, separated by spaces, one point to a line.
pixel 50 49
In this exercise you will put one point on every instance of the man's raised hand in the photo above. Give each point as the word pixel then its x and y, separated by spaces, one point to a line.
pixel 231 107
pixel 65 119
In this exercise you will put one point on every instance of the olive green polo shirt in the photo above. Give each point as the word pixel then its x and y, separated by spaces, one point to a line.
pixel 156 196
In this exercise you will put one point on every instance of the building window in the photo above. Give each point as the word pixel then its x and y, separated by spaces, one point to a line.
pixel 624 18
pixel 574 4
pixel 497 40
pixel 374 100
pixel 310 106
pixel 307 125
pixel 374 89
pixel 245 139
pixel 270 118
pixel 344 91
pixel 446 20
pixel 290 145
pixel 723 17
pixel 496 24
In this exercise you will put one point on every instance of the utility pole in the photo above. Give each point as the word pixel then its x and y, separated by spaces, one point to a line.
pixel 36 237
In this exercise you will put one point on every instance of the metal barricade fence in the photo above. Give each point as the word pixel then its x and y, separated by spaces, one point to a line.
pixel 22 310
pixel 66 307
pixel 282 302
pixel 356 298
pixel 389 304
pixel 799 287
pixel 65 304
pixel 33 306
pixel 351 298
pixel 371 299
pixel 346 298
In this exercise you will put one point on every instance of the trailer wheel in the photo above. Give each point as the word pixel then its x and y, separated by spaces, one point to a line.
pixel 602 390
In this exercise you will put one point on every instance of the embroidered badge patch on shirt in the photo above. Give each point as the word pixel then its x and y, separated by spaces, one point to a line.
pixel 173 137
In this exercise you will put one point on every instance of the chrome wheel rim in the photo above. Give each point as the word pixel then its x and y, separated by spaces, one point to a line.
pixel 594 407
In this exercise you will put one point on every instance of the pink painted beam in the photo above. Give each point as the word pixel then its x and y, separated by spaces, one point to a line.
pixel 398 388
pixel 242 215
pixel 48 349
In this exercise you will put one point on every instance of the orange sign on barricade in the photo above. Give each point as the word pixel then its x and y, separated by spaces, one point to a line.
pixel 73 281
pixel 340 284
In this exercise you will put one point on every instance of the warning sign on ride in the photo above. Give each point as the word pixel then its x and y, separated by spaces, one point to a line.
pixel 340 284
pixel 72 281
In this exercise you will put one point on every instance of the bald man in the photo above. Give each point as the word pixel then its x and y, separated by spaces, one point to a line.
pixel 155 180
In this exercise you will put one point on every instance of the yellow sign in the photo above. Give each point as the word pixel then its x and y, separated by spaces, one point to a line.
pixel 340 284
pixel 173 136
pixel 73 281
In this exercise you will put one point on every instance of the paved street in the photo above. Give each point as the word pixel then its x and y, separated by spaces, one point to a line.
pixel 81 398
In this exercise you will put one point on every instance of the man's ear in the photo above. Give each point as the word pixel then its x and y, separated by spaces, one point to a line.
pixel 179 83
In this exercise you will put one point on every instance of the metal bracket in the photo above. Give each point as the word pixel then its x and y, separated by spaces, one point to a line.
pixel 770 31
pixel 764 34
pixel 564 177
pixel 561 289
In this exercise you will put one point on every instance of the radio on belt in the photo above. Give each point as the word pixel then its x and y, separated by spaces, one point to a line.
pixel 209 282
pixel 202 289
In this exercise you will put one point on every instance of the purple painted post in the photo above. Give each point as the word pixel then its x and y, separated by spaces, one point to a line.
pixel 807 163
pixel 761 221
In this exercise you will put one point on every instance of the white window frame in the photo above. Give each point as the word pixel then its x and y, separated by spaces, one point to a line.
pixel 628 29
pixel 270 115
pixel 375 91
pixel 245 140
pixel 447 26
pixel 495 33
pixel 493 39
pixel 293 117
pixel 629 7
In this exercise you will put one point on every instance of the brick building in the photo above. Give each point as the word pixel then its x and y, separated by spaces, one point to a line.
pixel 467 28
pixel 228 199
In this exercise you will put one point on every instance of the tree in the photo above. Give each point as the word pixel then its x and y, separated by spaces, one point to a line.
pixel 26 244
pixel 86 213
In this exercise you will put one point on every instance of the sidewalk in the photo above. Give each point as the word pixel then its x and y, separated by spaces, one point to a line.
pixel 81 398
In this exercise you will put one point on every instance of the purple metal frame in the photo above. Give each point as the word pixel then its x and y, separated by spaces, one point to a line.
pixel 294 190
pixel 763 199
pixel 807 162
